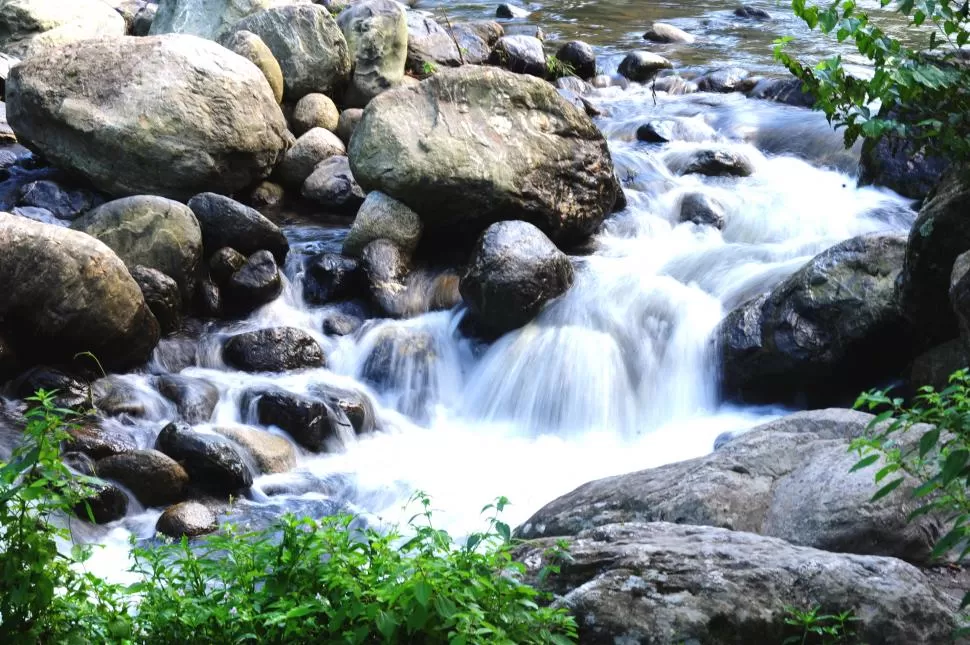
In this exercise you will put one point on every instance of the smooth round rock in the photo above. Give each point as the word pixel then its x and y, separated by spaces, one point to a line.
pixel 257 283
pixel 187 519
pixel 383 217
pixel 641 66
pixel 213 462
pixel 580 58
pixel 318 144
pixel 332 185
pixel 314 111
pixel 161 295
pixel 252 48
pixel 226 222
pixel 276 349
pixel 153 477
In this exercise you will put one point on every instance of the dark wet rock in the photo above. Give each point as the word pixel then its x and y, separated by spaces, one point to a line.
pixel 65 293
pixel 71 392
pixel 674 85
pixel 63 204
pixel 676 129
pixel 894 163
pixel 383 217
pixel 429 44
pixel 225 262
pixel 386 269
pixel 752 13
pixel 667 583
pixel 935 365
pixel 716 163
pixel 642 66
pixel 267 196
pixel 788 91
pixel 401 361
pixel 98 443
pixel 9 363
pixel 314 111
pixel 252 48
pixel 257 283
pixel 168 143
pixel 308 45
pixel 105 503
pixel 225 222
pixel 820 336
pixel 662 32
pixel 333 277
pixel 702 209
pixel 41 215
pixel 275 349
pixel 141 24
pixel 724 80
pixel 377 35
pixel 341 324
pixel 270 453
pixel 520 54
pixel 187 519
pixel 208 299
pixel 212 461
pixel 162 296
pixel 507 10
pixel 580 57
pixel 355 404
pixel 332 185
pixel 311 421
pixel 309 150
pixel 175 354
pixel 514 271
pixel 79 463
pixel 347 123
pixel 562 182
pixel 155 479
pixel 114 396
pixel 194 398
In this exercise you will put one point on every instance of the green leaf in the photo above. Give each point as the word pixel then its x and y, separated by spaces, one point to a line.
pixel 422 592
pixel 928 441
pixel 887 489
pixel 865 462
pixel 954 465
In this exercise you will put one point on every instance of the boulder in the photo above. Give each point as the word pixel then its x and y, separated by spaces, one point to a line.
pixel 257 283
pixel 212 461
pixel 311 421
pixel 62 204
pixel 330 277
pixel 580 57
pixel 103 503
pixel 383 217
pixel 204 18
pixel 667 583
pixel 934 366
pixel 194 398
pixel 386 268
pixel 751 13
pixel 821 335
pixel 642 66
pixel 168 115
pixel 506 10
pixel 355 404
pixel 142 21
pixel 308 45
pixel 545 162
pixel 71 392
pixel 662 32
pixel 429 45
pixel 309 150
pixel 332 185
pixel 162 296
pixel 150 231
pixel 788 91
pixel 252 48
pixel 29 27
pixel 116 396
pixel 225 262
pixel 476 39
pixel 728 79
pixel 712 162
pixel 520 54
pixel 314 111
pixel 65 292
pixel 702 209
pixel 225 222
pixel 186 519
pixel 347 123
pixel 895 164
pixel 276 349
pixel 514 271
pixel 377 36
pixel 97 442
pixel 155 479
pixel 940 234
pixel 269 452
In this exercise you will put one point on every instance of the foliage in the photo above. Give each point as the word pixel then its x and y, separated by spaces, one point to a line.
pixel 428 68
pixel 918 95
pixel 815 627
pixel 557 68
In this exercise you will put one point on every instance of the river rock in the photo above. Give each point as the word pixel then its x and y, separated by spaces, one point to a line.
pixel 339 323
pixel 276 349
pixel 662 32
pixel 115 396
pixel 782 90
pixel 162 296
pixel 752 13
pixel 940 234
pixel 429 45
pixel 224 263
pixel 212 461
pixel 204 18
pixel 103 503
pixel 383 217
pixel 186 519
pixel 331 276
pixel 332 185
pixel 141 24
pixel 476 40
pixel 252 48
pixel 155 479
pixel 702 209
pixel 934 366
pixel 311 421
pixel 267 196
pixel 225 222
pixel 506 10
pixel 642 66
pixel 29 27
pixel 821 335
pixel 546 162
pixel 514 271
pixel 194 398
pixel 355 404
pixel 377 36
pixel 257 283
pixel 177 115
pixel 895 164
pixel 97 442
pixel 270 453
pixel 666 583
pixel 724 80
pixel 65 292
pixel 71 392
pixel 401 362
pixel 308 45
pixel 150 231
pixel 347 123
pixel 520 54
pixel 713 162
pixel 208 299
pixel 317 145
pixel 677 129
pixel 580 57
pixel 63 204
pixel 386 268
pixel 314 111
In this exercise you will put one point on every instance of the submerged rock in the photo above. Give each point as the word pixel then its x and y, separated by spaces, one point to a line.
pixel 728 79
pixel 753 13
pixel 401 364
pixel 713 162
pixel 662 32
pixel 702 209
pixel 195 399
pixel 212 461
pixel 187 519
pixel 154 478
pixel 177 114
pixel 506 10
pixel 276 349
pixel 105 503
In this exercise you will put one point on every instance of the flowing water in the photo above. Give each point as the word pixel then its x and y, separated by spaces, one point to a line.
pixel 615 376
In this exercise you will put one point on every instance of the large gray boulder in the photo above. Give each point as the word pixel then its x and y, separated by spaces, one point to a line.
pixel 149 231
pixel 309 46
pixel 30 27
pixel 377 36
pixel 788 479
pixel 64 292
pixel 168 115
pixel 473 146
pixel 205 18
pixel 662 584
pixel 822 335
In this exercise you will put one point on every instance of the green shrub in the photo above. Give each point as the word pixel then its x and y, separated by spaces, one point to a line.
pixel 814 627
